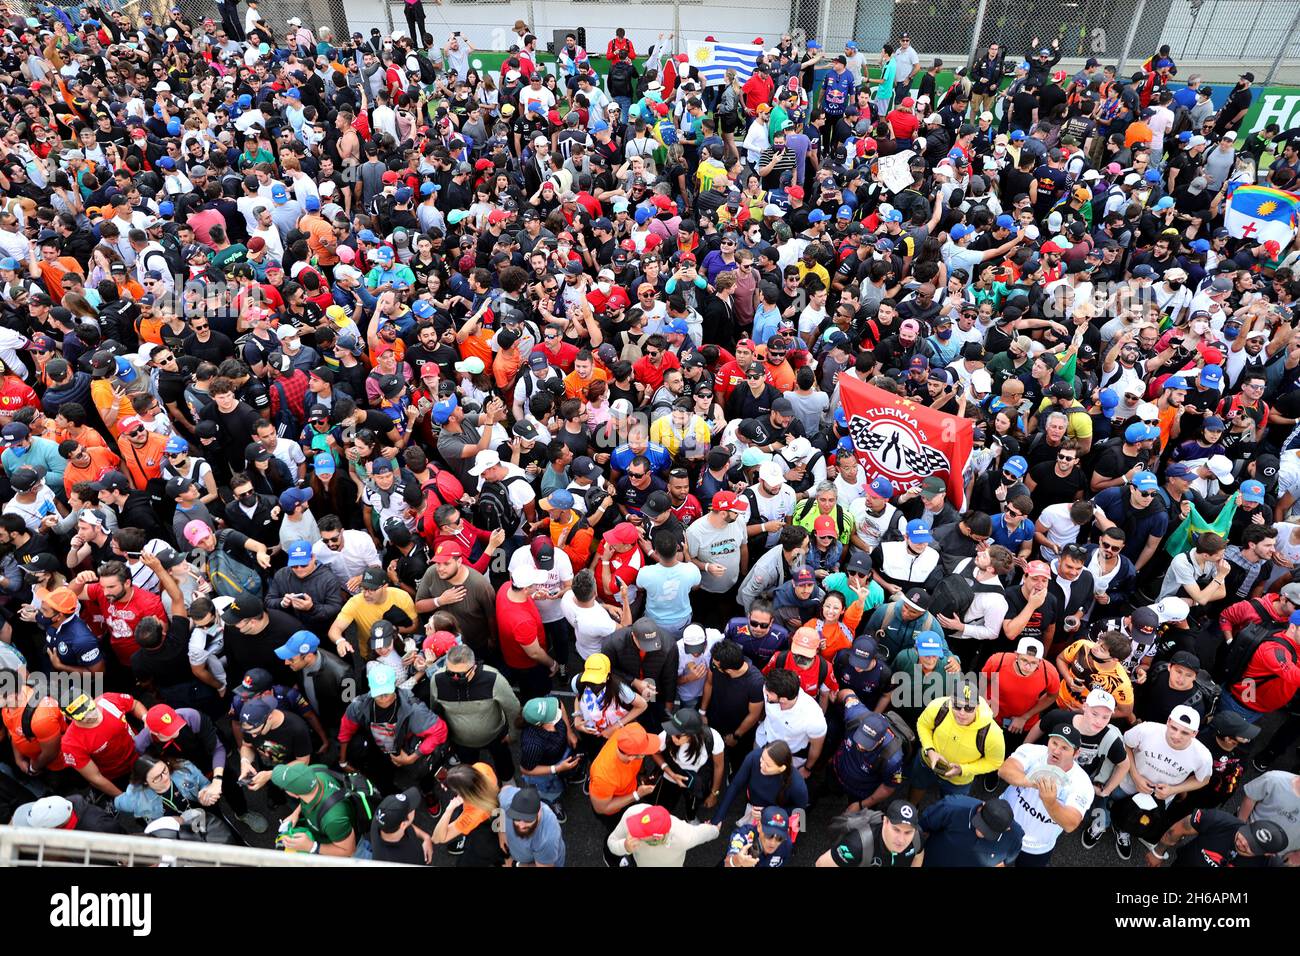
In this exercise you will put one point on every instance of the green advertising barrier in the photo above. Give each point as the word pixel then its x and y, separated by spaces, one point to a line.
pixel 1274 104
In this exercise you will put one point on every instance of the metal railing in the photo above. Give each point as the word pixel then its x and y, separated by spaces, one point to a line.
pixel 21 846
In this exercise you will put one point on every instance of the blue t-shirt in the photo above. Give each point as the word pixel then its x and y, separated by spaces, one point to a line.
pixel 72 643
pixel 951 840
pixel 668 591
pixel 836 89
pixel 658 456
pixel 1011 540
pixel 545 845
pixel 747 835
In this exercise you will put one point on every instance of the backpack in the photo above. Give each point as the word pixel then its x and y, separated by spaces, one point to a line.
pixel 362 797
pixel 230 578
pixel 172 252
pixel 841 519
pixel 955 593
pixel 428 73
pixel 981 735
pixel 494 508
pixel 1242 651
pixel 443 488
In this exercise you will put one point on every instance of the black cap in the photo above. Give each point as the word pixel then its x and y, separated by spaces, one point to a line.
pixel 685 720
pixel 24 479
pixel 525 805
pixel 257 680
pixel 394 810
pixel 859 562
pixel 1069 733
pixel 1186 659
pixel 1228 723
pixel 40 563
pixel 245 608
pixel 383 632
pixel 902 813
pixel 656 504
pixel 917 597
pixel 396 531
pixel 374 578
pixel 994 818
pixel 646 633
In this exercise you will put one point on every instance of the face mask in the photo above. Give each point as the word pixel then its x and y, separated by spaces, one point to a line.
pixel 1231 332
pixel 461 678
pixel 1175 285
pixel 18 451
pixel 248 499
pixel 1200 328
pixel 563 249
pixel 604 287
pixel 944 336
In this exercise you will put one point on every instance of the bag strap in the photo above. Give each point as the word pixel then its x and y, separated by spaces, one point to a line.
pixel 29 715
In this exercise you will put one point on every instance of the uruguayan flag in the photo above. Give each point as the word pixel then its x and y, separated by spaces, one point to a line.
pixel 714 59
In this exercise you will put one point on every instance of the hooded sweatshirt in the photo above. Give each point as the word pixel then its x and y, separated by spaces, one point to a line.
pixel 960 745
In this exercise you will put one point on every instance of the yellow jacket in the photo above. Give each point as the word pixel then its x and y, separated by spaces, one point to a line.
pixel 960 745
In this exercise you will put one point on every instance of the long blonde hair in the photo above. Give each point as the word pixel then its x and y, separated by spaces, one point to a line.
pixel 476 785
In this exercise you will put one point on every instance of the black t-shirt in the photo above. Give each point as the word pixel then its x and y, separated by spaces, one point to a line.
pixel 1047 614
pixel 634 498
pixel 1090 756
pixel 850 851
pixel 216 349
pixel 1215 843
pixel 244 651
pixel 481 847
pixel 1051 489
pixel 409 849
pixel 169 664
pixel 1113 462
pixel 732 697
pixel 284 744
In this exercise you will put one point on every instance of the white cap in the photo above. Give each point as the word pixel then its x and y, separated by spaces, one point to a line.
pixel 1030 645
pixel 163 87
pixel 798 449
pixel 1171 609
pixel 526 575
pixel 1147 411
pixel 1032 233
pixel 980 379
pixel 1187 717
pixel 48 813
pixel 770 473
pixel 294 22
pixel 620 407
pixel 655 86
pixel 397 35
pixel 1222 468
pixel 1097 697
pixel 483 461
pixel 694 634
pixel 1090 175
pixel 287 331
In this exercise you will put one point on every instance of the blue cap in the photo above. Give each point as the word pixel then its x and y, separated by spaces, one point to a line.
pixel 125 370
pixel 1211 375
pixel 299 554
pixel 881 487
pixel 841 417
pixel 560 498
pixel 381 464
pixel 1024 65
pixel 813 45
pixel 1152 176
pixel 166 209
pixel 1018 134
pixel 323 463
pixel 1252 491
pixel 442 410
pixel 173 127
pixel 1005 222
pixel 600 126
pixel 892 216
pixel 293 93
pixel 1016 465
pixel 177 445
pixel 1140 431
pixel 279 194
pixel 1176 381
pixel 643 215
pixel 166 163
pixel 1164 202
pixel 311 203
pixel 1179 469
pixel 535 107
pixel 1109 399
pixel 245 101
pixel 422 308
pixel 850 45
pixel 1294 618
pixel 302 642
pixel 291 498
pixel 1184 136
pixel 817 216
pixel 1213 423
pixel 365 235
pixel 960 232
pixel 1199 246
pixel 677 327
pixel 927 645
pixel 887 245
pixel 10 263
pixel 428 189
pixel 1145 481
pixel 845 445
pixel 918 532
pixel 844 212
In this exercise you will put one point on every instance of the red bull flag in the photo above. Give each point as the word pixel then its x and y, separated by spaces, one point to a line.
pixel 906 441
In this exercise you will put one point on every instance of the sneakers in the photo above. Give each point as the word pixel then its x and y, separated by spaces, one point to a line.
pixel 457 846
pixel 561 814
pixel 1123 845
pixel 1096 828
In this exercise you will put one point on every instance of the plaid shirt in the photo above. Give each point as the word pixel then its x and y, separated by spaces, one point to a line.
pixel 294 392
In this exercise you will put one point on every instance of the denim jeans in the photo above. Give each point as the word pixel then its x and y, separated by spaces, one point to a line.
pixel 923 778
pixel 1231 703
pixel 625 105
pixel 549 785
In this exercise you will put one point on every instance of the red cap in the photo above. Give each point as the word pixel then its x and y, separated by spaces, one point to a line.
pixel 908 101
pixel 162 721
pixel 824 524
pixel 1212 356
pixel 729 501
pixel 1272 247
pixel 868 145
pixel 747 344
pixel 650 822
pixel 483 164
pixel 1050 247
pixel 1038 569
pixel 710 39
pixel 758 41
pixel 661 108
pixel 682 58
pixel 389 177
pixel 439 643
pixel 662 202
pixel 497 215
pixel 688 257
pixel 624 533
pixel 794 192
pixel 448 550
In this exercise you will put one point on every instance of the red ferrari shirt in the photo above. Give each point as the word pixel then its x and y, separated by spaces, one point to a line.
pixel 119 621
pixel 110 743
pixel 518 626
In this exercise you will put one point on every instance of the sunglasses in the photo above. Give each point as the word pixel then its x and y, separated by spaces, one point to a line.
pixel 761 625
pixel 965 708
pixel 1109 548
pixel 637 474
pixel 1013 513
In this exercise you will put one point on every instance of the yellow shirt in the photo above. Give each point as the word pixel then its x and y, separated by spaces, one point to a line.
pixel 663 432
pixel 817 269
pixel 363 615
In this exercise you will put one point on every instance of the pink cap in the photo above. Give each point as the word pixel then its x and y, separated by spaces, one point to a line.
pixel 1038 569
pixel 196 531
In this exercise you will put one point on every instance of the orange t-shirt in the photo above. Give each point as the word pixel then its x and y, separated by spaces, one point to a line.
pixel 89 438
pixel 101 393
pixel 101 460
pixel 505 367
pixel 52 275
pixel 479 344
pixel 141 464
pixel 610 776
pixel 575 385
pixel 48 723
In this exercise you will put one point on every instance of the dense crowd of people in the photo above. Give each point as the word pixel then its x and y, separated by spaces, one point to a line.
pixel 399 454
